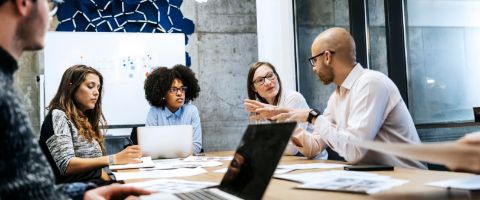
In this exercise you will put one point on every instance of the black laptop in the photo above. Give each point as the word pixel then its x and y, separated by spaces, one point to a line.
pixel 252 167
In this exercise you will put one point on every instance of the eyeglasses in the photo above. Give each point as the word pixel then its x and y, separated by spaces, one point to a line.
pixel 313 59
pixel 175 90
pixel 261 80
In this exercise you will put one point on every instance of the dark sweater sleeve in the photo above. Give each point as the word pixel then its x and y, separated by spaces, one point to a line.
pixel 24 171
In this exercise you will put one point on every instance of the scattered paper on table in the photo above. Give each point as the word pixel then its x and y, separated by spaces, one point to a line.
pixel 277 171
pixel 146 162
pixel 316 176
pixel 343 181
pixel 469 183
pixel 312 166
pixel 282 171
pixel 159 173
pixel 354 184
pixel 172 185
pixel 177 163
pixel 208 158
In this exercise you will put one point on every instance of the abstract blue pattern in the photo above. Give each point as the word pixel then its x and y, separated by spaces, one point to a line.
pixel 155 16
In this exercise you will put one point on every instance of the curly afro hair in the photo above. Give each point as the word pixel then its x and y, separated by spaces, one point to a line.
pixel 159 81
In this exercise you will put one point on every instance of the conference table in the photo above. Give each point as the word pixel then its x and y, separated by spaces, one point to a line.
pixel 414 189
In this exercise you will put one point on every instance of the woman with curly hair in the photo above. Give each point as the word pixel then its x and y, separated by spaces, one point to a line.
pixel 169 92
pixel 71 135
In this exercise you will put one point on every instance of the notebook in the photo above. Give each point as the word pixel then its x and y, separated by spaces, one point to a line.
pixel 251 168
pixel 165 141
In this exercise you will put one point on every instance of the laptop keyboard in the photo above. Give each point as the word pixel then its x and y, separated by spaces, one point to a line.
pixel 199 194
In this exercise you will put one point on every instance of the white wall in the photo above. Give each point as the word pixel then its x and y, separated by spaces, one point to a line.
pixel 276 38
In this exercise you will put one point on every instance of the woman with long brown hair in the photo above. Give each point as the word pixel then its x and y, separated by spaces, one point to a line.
pixel 264 89
pixel 72 133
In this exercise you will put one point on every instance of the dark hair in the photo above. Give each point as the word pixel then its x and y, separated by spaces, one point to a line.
pixel 89 122
pixel 159 81
pixel 250 88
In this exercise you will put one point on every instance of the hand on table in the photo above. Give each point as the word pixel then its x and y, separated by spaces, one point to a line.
pixel 114 191
pixel 131 154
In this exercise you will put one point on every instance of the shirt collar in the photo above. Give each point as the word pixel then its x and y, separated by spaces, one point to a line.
pixel 7 62
pixel 177 113
pixel 356 72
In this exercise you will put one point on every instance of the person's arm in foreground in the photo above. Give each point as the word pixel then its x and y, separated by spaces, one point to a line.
pixel 472 139
pixel 114 191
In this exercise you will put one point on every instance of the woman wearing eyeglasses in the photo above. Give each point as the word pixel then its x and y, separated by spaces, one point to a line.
pixel 72 135
pixel 169 92
pixel 265 90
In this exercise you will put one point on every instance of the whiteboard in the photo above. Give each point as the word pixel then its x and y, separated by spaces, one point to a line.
pixel 124 59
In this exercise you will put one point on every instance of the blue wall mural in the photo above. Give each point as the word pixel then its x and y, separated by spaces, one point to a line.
pixel 154 16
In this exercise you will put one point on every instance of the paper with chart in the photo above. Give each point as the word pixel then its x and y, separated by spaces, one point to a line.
pixel 343 181
pixel 315 176
pixel 353 184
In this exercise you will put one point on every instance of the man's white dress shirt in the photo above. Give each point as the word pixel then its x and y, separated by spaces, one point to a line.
pixel 367 106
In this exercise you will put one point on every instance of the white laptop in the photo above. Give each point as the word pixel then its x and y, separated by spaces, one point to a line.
pixel 165 141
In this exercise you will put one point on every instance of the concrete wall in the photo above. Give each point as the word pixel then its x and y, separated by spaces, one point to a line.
pixel 27 86
pixel 222 47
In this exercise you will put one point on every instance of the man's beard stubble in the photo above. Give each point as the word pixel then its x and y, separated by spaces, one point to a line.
pixel 27 32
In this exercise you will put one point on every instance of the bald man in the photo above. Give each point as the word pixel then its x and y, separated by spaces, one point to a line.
pixel 366 104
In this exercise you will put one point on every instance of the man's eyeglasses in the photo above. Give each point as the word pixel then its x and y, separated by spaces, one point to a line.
pixel 175 90
pixel 313 59
pixel 261 80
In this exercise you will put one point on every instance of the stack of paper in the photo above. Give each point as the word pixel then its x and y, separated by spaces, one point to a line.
pixel 344 181
pixel 312 166
pixel 208 158
pixel 469 183
pixel 178 163
pixel 277 171
pixel 158 173
pixel 172 185
pixel 146 162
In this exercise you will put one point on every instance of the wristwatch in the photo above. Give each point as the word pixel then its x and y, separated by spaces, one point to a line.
pixel 110 160
pixel 313 113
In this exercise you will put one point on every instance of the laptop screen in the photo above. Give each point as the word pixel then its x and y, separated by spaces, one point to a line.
pixel 256 159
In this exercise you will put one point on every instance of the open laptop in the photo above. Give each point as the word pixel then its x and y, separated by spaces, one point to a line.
pixel 165 141
pixel 252 167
